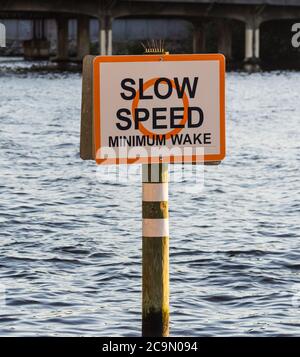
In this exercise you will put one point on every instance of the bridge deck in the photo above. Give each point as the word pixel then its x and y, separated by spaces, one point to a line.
pixel 232 2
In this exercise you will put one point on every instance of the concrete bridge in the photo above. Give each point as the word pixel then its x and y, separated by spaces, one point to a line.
pixel 199 12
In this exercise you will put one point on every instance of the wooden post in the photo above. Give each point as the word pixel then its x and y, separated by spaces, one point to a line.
pixel 155 251
pixel 155 248
pixel 87 149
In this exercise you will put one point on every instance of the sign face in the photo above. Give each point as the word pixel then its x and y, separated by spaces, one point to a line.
pixel 159 108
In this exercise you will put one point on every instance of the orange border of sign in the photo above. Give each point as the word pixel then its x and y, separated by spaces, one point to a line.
pixel 157 58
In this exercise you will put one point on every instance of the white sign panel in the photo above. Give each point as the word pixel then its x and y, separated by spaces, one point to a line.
pixel 159 108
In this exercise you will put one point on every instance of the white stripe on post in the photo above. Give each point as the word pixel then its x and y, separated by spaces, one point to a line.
pixel 156 227
pixel 154 192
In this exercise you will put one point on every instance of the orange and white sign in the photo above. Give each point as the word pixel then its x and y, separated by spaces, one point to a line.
pixel 159 108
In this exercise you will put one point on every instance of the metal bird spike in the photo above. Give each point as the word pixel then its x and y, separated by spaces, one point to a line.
pixel 144 47
pixel 149 46
pixel 153 46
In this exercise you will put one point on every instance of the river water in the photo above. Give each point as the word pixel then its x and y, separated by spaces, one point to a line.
pixel 70 249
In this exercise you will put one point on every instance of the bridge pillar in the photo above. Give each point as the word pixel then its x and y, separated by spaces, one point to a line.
pixel 249 41
pixel 38 46
pixel 105 25
pixel 257 43
pixel 252 47
pixel 225 39
pixel 62 39
pixel 83 37
pixel 38 29
pixel 199 37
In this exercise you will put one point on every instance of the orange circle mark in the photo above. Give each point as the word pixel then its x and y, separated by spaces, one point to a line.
pixel 149 133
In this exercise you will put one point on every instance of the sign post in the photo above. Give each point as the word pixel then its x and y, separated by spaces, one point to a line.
pixel 154 110
pixel 155 247
pixel 155 271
